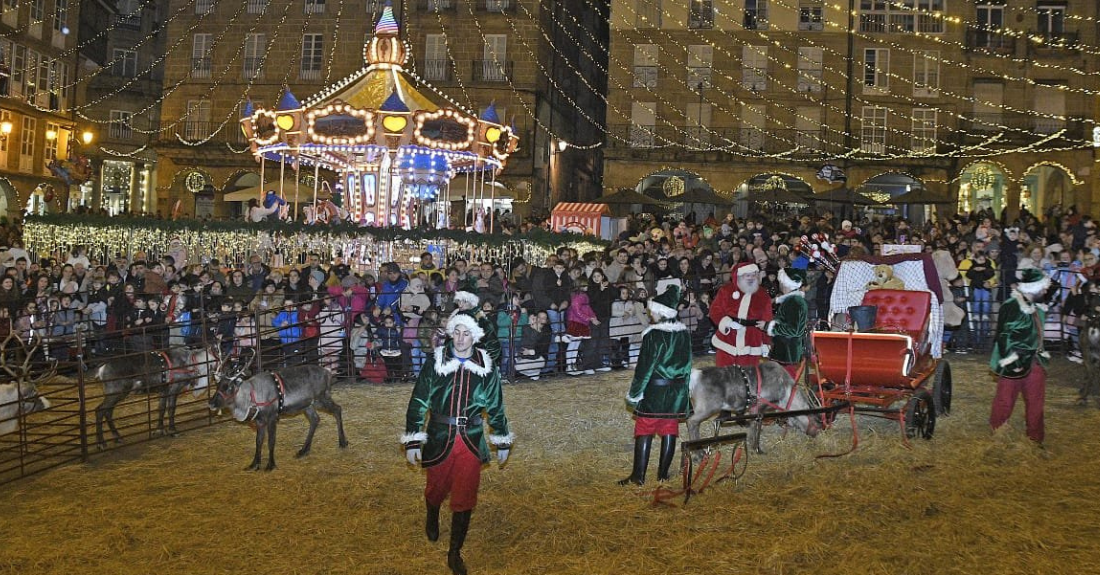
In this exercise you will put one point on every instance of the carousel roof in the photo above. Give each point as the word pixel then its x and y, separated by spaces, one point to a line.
pixel 349 124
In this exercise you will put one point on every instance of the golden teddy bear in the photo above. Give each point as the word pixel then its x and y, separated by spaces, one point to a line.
pixel 884 279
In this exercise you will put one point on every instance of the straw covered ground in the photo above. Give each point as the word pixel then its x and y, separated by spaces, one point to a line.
pixel 968 501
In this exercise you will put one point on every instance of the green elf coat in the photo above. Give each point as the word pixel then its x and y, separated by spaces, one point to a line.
pixel 1018 337
pixel 788 329
pixel 450 387
pixel 665 354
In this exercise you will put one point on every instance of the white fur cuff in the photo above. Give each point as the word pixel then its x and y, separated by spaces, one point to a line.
pixel 635 400
pixel 1006 361
pixel 502 439
pixel 410 437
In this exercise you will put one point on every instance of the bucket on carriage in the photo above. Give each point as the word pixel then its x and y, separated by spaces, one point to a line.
pixel 863 316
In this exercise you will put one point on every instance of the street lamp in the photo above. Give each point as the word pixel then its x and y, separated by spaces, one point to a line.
pixel 5 129
pixel 87 137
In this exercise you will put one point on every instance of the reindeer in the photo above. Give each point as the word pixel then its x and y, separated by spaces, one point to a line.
pixel 19 394
pixel 1089 340
pixel 265 397
pixel 167 372
pixel 739 389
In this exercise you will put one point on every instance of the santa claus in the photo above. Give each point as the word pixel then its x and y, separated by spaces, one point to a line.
pixel 741 310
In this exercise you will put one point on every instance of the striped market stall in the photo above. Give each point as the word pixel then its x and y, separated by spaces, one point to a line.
pixel 582 218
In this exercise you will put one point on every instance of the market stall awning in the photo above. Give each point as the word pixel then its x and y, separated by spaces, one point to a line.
pixel 578 217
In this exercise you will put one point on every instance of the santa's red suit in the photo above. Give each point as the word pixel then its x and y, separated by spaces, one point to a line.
pixel 738 303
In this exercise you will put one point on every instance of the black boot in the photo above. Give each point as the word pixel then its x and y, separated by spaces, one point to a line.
pixel 642 444
pixel 460 523
pixel 431 524
pixel 668 449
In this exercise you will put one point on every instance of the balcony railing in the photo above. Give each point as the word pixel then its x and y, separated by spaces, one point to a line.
pixel 119 131
pixel 497 6
pixel 436 5
pixel 193 129
pixel 128 21
pixel 985 39
pixel 308 73
pixel 204 6
pixel 1044 41
pixel 256 6
pixel 251 69
pixel 492 71
pixel 200 67
pixel 437 70
pixel 645 76
pixel 314 7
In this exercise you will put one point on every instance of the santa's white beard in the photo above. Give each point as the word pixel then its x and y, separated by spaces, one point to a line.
pixel 748 286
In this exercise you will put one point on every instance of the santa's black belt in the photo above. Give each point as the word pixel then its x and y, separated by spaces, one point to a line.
pixel 666 382
pixel 460 421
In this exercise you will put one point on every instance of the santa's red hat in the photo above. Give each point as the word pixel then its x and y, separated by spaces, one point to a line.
pixel 743 269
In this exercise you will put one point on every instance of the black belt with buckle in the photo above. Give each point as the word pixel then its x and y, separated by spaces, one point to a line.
pixel 461 421
pixel 665 382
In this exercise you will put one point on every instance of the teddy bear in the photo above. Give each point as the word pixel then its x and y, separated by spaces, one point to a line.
pixel 884 279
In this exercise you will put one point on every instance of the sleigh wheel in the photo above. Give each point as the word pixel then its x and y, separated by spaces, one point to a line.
pixel 920 416
pixel 941 388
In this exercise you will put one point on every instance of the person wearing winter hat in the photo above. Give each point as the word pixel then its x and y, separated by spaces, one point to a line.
pixel 1018 357
pixel 788 329
pixel 456 385
pixel 467 303
pixel 740 310
pixel 659 392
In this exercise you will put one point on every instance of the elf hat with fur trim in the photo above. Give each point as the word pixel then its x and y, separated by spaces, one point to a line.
pixel 461 319
pixel 664 306
pixel 1032 281
pixel 792 279
pixel 467 298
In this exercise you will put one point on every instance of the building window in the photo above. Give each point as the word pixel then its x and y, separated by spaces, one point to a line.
pixel 926 73
pixel 312 56
pixel 756 15
pixel 811 15
pixel 1052 20
pixel 121 125
pixel 256 6
pixel 53 135
pixel 807 123
pixel 810 66
pixel 315 6
pixel 494 66
pixel 5 116
pixel 255 46
pixel 204 6
pixel 754 127
pixel 18 70
pixel 38 11
pixel 437 64
pixel 876 70
pixel 643 118
pixel 647 14
pixel 988 105
pixel 700 62
pixel 872 137
pixel 61 15
pixel 698 125
pixel 200 55
pixel 375 6
pixel 1049 107
pixel 30 76
pixel 645 66
pixel 124 63
pixel 196 123
pixel 924 130
pixel 26 138
pixel 754 68
pixel 700 14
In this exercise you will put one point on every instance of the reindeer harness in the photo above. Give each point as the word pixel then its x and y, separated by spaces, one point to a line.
pixel 280 396
pixel 753 399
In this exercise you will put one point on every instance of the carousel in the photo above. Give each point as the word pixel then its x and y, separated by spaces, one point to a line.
pixel 399 156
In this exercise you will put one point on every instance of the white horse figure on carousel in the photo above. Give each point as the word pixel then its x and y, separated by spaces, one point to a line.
pixel 479 221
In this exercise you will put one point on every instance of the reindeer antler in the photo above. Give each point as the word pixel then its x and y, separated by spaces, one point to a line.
pixel 21 372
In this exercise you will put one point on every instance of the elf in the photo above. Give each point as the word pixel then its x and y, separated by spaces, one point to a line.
pixel 1018 357
pixel 659 392
pixel 740 310
pixel 788 329
pixel 456 387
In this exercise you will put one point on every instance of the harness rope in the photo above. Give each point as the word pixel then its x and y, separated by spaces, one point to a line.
pixel 280 397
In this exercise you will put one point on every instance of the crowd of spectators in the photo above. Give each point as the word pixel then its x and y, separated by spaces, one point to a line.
pixel 572 312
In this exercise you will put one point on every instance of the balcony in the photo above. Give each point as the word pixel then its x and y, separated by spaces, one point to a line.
pixel 497 6
pixel 438 71
pixel 251 68
pixel 256 6
pixel 645 77
pixel 990 40
pixel 310 72
pixel 126 21
pixel 200 67
pixel 1053 43
pixel 492 71
pixel 314 7
pixel 436 6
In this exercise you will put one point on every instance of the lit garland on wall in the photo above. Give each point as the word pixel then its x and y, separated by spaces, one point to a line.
pixel 234 242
